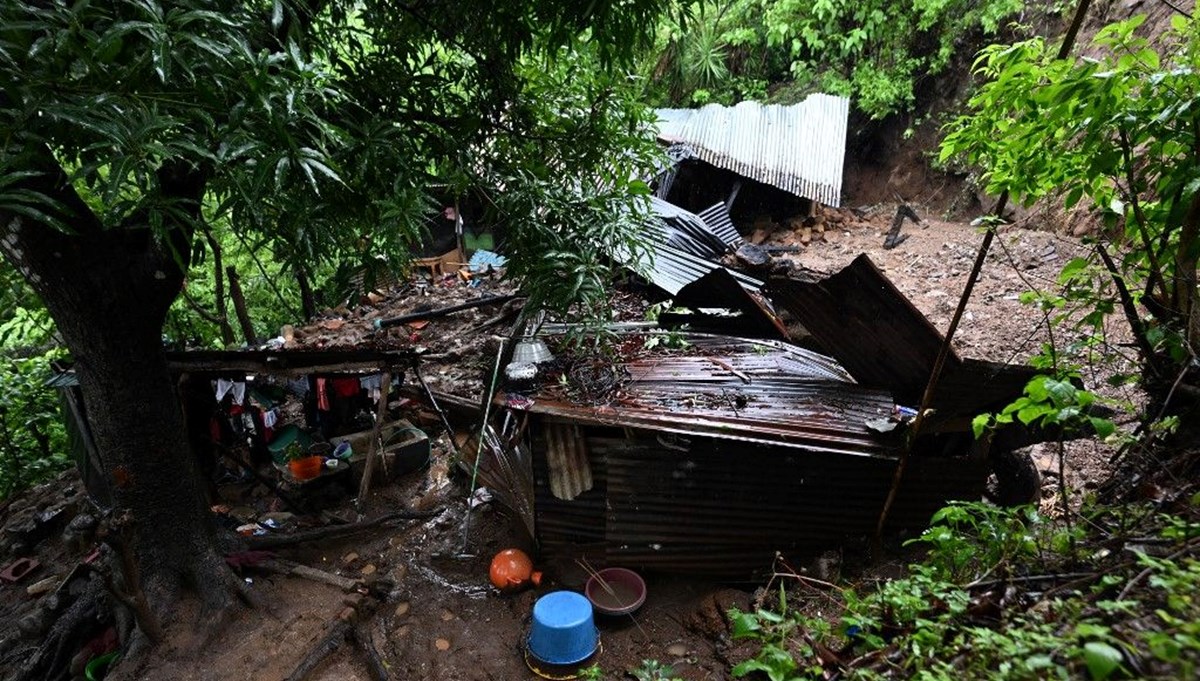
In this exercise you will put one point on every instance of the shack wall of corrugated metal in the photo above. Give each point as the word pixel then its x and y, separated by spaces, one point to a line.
pixel 799 148
pixel 723 508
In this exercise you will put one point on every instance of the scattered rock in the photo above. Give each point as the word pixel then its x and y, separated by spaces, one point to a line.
pixel 349 558
pixel 447 615
pixel 442 644
pixel 42 586
pixel 242 514
pixel 402 609
pixel 677 650
pixel 369 569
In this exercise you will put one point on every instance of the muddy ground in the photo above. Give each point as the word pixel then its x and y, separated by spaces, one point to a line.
pixel 440 619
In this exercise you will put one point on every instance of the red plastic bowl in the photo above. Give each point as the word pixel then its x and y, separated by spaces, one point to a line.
pixel 615 591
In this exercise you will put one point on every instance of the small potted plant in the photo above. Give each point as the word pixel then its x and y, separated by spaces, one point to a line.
pixel 301 464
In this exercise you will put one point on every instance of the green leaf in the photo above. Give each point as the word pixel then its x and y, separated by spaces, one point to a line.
pixel 1102 659
pixel 1103 427
pixel 980 423
pixel 1073 267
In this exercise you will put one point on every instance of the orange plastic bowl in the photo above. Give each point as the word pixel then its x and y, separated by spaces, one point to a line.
pixel 306 468
pixel 616 591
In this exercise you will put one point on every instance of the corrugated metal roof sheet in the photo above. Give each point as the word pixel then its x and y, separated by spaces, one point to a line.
pixel 718 289
pixel 799 148
pixel 740 389
pixel 686 231
pixel 671 269
pixel 718 220
pixel 863 320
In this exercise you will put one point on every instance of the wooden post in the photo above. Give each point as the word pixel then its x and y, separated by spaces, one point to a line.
pixel 373 445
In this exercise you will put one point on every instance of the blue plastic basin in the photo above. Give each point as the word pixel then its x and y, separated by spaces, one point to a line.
pixel 563 630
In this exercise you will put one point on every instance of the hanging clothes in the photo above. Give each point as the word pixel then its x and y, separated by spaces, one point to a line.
pixel 373 385
pixel 346 387
pixel 322 395
pixel 227 387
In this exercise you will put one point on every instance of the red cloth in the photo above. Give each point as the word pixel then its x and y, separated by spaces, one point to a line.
pixel 346 387
pixel 322 395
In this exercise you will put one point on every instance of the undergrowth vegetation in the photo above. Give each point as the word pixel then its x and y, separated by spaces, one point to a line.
pixel 32 436
pixel 1000 593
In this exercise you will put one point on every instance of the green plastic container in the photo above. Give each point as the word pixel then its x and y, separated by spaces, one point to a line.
pixel 284 438
pixel 98 668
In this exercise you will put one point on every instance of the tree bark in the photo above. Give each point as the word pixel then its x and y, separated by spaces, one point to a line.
pixel 108 290
pixel 227 337
pixel 308 302
pixel 239 306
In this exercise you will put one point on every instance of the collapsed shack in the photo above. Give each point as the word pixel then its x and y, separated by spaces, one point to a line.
pixel 710 460
pixel 709 453
pixel 679 450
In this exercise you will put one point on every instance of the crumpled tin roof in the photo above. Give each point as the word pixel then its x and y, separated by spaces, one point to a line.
pixel 799 148
pixel 686 231
pixel 747 390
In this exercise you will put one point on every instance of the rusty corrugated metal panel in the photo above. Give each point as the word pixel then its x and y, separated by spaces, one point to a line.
pixel 799 148
pixel 567 460
pixel 862 319
pixel 974 386
pixel 743 390
pixel 724 508
pixel 565 526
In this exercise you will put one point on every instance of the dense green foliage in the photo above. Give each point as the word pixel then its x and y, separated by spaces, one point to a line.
pixel 876 52
pixel 1119 131
pixel 32 436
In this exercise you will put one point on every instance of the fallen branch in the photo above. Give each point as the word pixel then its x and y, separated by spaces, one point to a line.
pixel 268 542
pixel 373 444
pixel 729 367
pixel 342 628
pixel 287 567
pixel 1188 547
pixel 442 311
pixel 1031 578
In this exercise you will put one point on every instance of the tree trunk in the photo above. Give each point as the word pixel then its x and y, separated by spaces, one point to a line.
pixel 239 306
pixel 108 291
pixel 227 337
pixel 307 300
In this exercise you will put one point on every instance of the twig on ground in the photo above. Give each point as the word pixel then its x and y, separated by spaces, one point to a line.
pixel 1188 547
pixel 335 532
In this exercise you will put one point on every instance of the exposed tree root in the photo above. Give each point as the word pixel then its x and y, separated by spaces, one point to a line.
pixel 375 665
pixel 84 619
pixel 325 647
pixel 287 567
